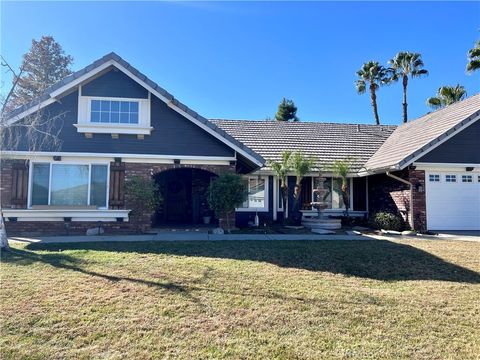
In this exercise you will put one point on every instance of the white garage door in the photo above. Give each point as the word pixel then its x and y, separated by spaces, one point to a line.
pixel 453 200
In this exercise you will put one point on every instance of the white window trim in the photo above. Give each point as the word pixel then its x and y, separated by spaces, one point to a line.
pixel 280 206
pixel 435 175
pixel 51 163
pixel 350 188
pixel 257 209
pixel 84 125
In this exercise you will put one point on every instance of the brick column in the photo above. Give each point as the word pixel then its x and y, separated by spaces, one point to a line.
pixel 419 211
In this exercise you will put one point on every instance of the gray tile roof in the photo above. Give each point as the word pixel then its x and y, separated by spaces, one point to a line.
pixel 325 142
pixel 152 84
pixel 416 137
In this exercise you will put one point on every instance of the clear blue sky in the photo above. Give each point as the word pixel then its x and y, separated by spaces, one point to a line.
pixel 238 59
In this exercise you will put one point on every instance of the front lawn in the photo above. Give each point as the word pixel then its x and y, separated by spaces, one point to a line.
pixel 242 300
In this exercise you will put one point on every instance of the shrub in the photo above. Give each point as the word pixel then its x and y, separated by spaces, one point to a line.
pixel 387 221
pixel 142 195
pixel 225 193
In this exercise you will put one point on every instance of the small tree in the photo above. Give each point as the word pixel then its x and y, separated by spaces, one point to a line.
pixel 143 195
pixel 301 165
pixel 282 169
pixel 226 193
pixel 342 168
pixel 286 111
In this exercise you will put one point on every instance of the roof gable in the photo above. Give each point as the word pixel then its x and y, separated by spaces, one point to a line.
pixel 97 67
pixel 416 138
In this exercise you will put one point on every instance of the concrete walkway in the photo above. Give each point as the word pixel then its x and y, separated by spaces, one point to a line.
pixel 188 236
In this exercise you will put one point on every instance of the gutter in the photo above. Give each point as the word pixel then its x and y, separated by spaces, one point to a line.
pixel 410 217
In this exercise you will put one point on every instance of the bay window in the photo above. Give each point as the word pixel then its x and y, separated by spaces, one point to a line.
pixel 257 188
pixel 69 184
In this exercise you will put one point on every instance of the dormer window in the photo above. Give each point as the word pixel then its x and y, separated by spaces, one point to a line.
pixel 113 115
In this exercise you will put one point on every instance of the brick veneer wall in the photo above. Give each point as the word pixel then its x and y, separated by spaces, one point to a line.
pixel 417 178
pixel 148 170
pixel 134 224
pixel 388 194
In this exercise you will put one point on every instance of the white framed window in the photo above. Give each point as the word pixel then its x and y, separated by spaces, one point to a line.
pixel 333 195
pixel 467 178
pixel 451 178
pixel 69 184
pixel 434 178
pixel 114 111
pixel 257 194
pixel 113 115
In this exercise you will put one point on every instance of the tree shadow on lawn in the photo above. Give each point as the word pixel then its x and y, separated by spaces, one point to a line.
pixel 375 259
pixel 60 260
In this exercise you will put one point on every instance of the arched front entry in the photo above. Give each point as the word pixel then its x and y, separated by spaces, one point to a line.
pixel 184 193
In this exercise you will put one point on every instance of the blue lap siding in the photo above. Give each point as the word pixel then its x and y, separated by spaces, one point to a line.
pixel 114 83
pixel 463 148
pixel 172 134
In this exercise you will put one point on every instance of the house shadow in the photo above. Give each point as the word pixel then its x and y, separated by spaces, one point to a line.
pixel 370 259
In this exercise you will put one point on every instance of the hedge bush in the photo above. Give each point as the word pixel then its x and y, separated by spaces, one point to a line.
pixel 387 221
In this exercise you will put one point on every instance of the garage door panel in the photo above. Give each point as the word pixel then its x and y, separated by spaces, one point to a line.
pixel 453 205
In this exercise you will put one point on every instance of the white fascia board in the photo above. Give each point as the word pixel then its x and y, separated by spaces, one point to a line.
pixel 59 91
pixel 445 166
pixel 112 155
pixel 264 171
pixel 82 78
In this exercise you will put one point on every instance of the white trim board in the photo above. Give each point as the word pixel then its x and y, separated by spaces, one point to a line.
pixel 59 214
pixel 446 166
pixel 128 158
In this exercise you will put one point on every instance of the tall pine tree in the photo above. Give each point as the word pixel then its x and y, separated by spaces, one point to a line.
pixel 43 65
pixel 286 111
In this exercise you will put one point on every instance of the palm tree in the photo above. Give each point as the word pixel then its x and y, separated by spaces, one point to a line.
pixel 447 95
pixel 404 65
pixel 474 58
pixel 301 166
pixel 282 169
pixel 342 168
pixel 372 75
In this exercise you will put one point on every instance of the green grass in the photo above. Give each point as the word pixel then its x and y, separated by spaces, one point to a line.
pixel 242 300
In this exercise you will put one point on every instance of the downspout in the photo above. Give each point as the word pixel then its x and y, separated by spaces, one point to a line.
pixel 410 217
